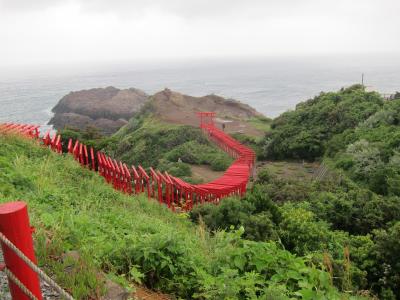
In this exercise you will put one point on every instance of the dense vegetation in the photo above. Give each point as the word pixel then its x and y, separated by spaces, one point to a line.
pixel 152 143
pixel 303 133
pixel 323 220
pixel 134 239
pixel 352 129
pixel 337 237
pixel 350 220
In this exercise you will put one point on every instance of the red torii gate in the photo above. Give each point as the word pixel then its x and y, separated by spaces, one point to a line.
pixel 206 118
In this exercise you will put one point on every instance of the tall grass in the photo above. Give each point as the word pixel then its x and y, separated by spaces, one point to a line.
pixel 133 238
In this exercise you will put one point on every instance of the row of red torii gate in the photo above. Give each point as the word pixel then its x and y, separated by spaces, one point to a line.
pixel 175 193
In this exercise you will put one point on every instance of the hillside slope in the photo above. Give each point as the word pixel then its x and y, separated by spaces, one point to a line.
pixel 138 240
pixel 304 132
pixel 174 107
pixel 108 109
pixel 169 147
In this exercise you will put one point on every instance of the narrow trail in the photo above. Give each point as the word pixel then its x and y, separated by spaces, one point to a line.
pixel 167 189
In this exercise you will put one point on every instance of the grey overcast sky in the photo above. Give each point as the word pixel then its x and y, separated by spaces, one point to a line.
pixel 76 31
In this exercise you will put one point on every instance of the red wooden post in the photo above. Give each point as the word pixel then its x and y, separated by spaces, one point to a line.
pixel 113 176
pixel 138 180
pixel 70 146
pixel 146 178
pixel 110 171
pixel 14 224
pixel 57 144
pixel 117 174
pixel 81 161
pixel 128 179
pixel 53 142
pixel 99 164
pixel 76 149
pixel 92 159
pixel 86 162
pixel 46 138
pixel 171 190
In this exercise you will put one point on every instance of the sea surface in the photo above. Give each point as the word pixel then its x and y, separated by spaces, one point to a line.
pixel 272 85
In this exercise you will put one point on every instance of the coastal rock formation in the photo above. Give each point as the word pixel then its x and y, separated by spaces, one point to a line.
pixel 178 108
pixel 107 109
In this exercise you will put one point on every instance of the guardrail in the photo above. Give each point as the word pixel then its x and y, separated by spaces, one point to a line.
pixel 19 255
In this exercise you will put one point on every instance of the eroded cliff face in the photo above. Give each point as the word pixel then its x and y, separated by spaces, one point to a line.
pixel 107 109
pixel 179 108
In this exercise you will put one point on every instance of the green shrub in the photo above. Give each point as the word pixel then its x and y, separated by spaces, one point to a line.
pixel 220 163
pixel 255 212
pixel 302 133
pixel 264 176
pixel 381 262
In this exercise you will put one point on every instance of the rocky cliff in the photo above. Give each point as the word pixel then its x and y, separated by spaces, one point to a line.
pixel 107 109
pixel 179 108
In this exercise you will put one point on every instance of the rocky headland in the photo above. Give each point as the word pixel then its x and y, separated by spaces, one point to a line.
pixel 107 109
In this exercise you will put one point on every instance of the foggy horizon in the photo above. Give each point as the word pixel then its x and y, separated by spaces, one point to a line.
pixel 62 33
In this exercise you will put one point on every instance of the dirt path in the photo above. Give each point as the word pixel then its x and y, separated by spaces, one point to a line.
pixel 143 293
pixel 204 173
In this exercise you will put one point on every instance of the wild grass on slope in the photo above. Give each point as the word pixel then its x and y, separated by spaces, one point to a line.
pixel 151 142
pixel 72 209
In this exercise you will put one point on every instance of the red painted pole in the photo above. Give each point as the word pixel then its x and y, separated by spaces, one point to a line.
pixel 70 146
pixel 92 159
pixel 86 155
pixel 14 224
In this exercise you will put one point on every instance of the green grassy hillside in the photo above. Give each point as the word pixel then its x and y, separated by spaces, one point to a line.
pixel 147 141
pixel 134 239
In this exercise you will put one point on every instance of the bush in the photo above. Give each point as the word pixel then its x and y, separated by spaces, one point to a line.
pixel 383 267
pixel 283 190
pixel 264 176
pixel 178 169
pixel 301 233
pixel 255 212
pixel 220 163
pixel 357 211
pixel 90 136
pixel 303 133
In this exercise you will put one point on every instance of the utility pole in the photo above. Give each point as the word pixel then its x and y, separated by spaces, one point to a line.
pixel 362 79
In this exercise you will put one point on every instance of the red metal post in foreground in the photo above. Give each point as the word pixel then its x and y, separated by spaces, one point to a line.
pixel 14 224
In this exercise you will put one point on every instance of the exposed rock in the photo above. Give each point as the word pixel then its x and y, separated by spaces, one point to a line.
pixel 115 292
pixel 178 108
pixel 107 109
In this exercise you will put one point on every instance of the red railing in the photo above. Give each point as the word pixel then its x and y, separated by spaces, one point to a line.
pixel 15 231
pixel 169 190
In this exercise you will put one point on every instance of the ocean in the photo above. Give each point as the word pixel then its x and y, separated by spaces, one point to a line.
pixel 272 86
